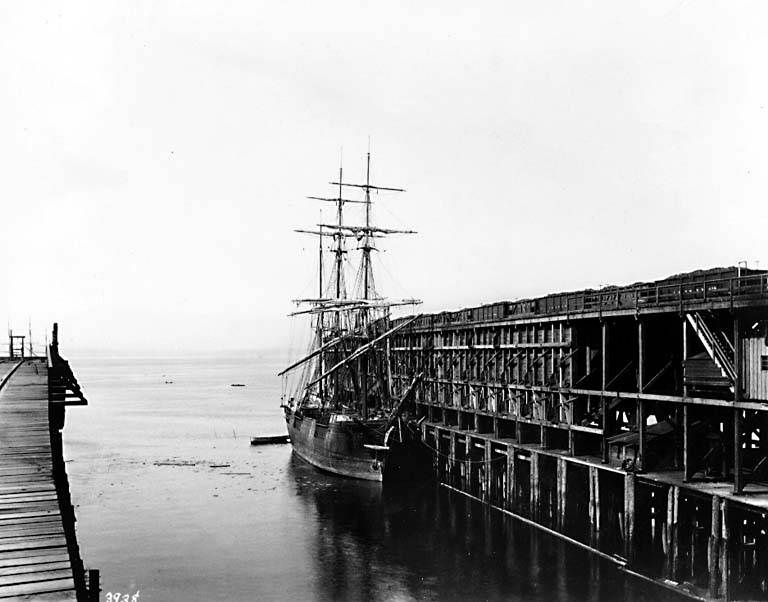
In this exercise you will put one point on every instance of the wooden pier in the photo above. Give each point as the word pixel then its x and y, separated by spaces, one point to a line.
pixel 631 421
pixel 39 555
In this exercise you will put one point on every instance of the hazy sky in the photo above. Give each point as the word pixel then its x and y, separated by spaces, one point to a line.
pixel 156 155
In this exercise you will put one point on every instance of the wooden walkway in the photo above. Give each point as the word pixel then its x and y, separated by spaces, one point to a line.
pixel 39 557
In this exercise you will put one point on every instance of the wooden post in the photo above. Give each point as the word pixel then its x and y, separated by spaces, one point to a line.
pixel 562 492
pixel 713 547
pixel 534 486
pixel 738 478
pixel 487 464
pixel 673 499
pixel 510 501
pixel 603 399
pixel 93 585
pixel 452 458
pixel 640 356
pixel 587 361
pixel 466 484
pixel 687 465
pixel 629 516
pixel 725 557
pixel 685 353
pixel 640 403
pixel 594 507
pixel 604 355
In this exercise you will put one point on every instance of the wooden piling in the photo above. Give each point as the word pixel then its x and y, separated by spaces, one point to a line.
pixel 562 493
pixel 594 506
pixel 534 497
pixel 487 477
pixel 738 478
pixel 511 486
pixel 714 546
pixel 452 457
pixel 673 499
pixel 725 556
pixel 94 588
pixel 629 516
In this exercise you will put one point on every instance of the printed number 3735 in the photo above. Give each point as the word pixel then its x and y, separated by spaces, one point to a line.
pixel 118 597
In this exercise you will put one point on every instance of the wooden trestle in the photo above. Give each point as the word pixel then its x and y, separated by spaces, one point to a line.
pixel 39 555
pixel 632 421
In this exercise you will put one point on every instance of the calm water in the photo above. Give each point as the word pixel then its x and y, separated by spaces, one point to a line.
pixel 235 522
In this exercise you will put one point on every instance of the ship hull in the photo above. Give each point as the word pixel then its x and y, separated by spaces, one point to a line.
pixel 339 447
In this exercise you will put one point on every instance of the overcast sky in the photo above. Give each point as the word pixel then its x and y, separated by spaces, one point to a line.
pixel 156 155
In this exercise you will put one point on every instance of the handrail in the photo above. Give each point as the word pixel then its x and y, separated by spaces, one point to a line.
pixel 718 355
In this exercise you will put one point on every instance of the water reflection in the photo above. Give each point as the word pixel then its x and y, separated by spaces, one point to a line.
pixel 421 541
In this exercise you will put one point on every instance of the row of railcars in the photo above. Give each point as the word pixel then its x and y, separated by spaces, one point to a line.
pixel 704 285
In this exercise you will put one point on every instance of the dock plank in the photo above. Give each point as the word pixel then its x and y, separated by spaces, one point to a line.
pixel 35 561
pixel 42 587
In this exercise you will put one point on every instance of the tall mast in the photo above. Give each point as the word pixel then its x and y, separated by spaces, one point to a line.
pixel 320 318
pixel 320 288
pixel 339 268
pixel 360 305
pixel 339 249
pixel 366 240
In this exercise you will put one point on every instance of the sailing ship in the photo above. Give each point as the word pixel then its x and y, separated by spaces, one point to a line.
pixel 342 414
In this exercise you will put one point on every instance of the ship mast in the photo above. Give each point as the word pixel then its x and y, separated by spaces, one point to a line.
pixel 339 249
pixel 366 240
pixel 368 232
pixel 339 270
pixel 320 316
pixel 351 316
pixel 367 274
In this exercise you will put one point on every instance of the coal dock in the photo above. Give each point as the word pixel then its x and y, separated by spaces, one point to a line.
pixel 631 421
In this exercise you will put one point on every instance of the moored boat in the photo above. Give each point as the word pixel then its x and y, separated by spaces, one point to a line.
pixel 343 415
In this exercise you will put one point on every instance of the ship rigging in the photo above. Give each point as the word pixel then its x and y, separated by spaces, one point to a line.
pixel 342 410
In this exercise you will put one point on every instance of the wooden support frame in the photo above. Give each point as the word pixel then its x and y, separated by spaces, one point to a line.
pixel 738 477
pixel 640 402
pixel 603 382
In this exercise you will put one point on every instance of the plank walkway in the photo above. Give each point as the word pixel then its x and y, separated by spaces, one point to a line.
pixel 38 558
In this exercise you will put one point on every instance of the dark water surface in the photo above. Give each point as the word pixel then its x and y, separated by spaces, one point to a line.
pixel 268 526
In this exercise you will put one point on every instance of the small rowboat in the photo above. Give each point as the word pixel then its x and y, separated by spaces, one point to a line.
pixel 270 439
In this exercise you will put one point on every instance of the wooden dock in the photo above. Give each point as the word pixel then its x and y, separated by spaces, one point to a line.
pixel 632 421
pixel 39 555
